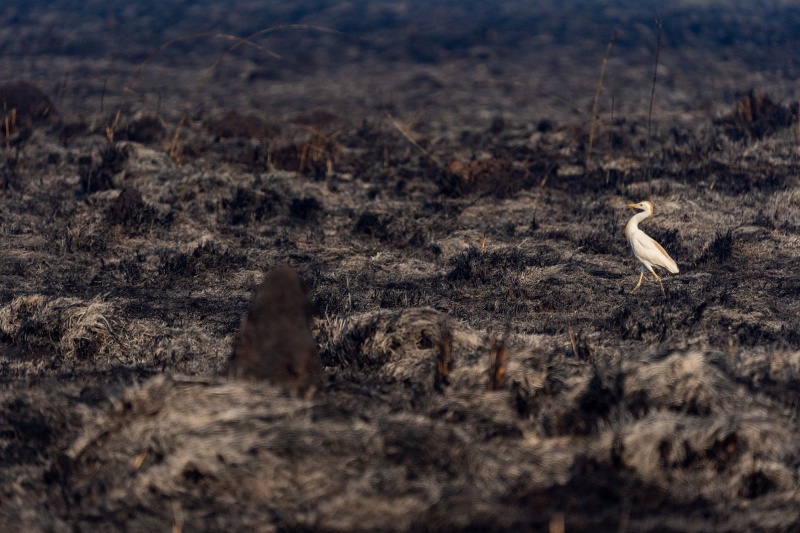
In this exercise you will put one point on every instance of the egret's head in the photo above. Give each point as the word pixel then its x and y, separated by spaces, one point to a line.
pixel 643 206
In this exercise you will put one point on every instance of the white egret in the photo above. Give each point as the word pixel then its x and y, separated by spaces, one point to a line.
pixel 646 250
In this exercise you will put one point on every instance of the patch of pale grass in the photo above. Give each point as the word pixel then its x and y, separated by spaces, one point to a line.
pixel 69 328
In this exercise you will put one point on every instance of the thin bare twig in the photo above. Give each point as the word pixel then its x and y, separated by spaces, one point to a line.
pixel 652 96
pixel 410 139
pixel 102 97
pixel 8 138
pixel 597 98
pixel 572 341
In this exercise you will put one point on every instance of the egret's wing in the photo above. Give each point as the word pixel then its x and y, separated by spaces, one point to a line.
pixel 669 262
pixel 648 249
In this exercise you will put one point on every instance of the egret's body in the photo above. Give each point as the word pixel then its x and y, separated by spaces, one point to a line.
pixel 647 250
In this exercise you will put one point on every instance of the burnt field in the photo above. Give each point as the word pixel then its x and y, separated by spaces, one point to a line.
pixel 437 178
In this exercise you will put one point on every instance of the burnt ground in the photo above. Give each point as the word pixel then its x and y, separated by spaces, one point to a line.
pixel 425 170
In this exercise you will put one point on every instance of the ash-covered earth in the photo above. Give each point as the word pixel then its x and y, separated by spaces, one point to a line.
pixel 450 181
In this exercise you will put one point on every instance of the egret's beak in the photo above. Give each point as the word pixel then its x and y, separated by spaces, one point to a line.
pixel 633 206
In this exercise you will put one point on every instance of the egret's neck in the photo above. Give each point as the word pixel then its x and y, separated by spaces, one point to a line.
pixel 633 223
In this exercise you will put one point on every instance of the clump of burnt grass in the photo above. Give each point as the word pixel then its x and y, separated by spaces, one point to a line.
pixel 29 433
pixel 719 251
pixel 641 323
pixel 99 176
pixel 130 212
pixel 757 116
pixel 10 176
pixel 146 129
pixel 23 107
pixel 250 154
pixel 373 225
pixel 396 231
pixel 601 242
pixel 315 148
pixel 496 176
pixel 235 125
pixel 489 268
pixel 405 294
pixel 246 206
pixel 498 273
pixel 205 259
pixel 22 103
pixel 306 209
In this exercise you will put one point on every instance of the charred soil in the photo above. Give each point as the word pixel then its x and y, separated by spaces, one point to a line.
pixel 429 174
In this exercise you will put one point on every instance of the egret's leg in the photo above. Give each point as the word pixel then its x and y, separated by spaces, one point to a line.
pixel 663 292
pixel 641 275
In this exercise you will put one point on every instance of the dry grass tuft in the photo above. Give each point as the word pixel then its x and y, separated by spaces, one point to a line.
pixel 66 329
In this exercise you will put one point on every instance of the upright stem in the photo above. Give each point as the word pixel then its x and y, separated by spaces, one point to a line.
pixel 597 99
pixel 652 96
